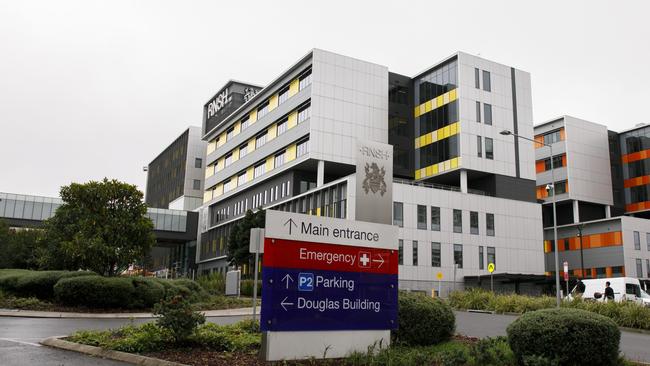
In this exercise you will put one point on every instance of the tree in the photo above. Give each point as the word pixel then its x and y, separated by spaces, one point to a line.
pixel 19 248
pixel 5 239
pixel 101 226
pixel 238 242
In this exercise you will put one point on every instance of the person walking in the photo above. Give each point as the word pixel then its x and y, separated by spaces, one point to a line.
pixel 580 288
pixel 609 292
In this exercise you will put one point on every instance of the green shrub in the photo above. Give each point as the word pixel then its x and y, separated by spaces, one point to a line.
pixel 148 292
pixel 97 292
pixel 9 278
pixel 492 352
pixel 423 320
pixel 240 337
pixel 565 336
pixel 177 316
pixel 217 302
pixel 214 283
pixel 197 293
pixel 173 289
pixel 454 357
pixel 41 283
pixel 147 337
pixel 246 288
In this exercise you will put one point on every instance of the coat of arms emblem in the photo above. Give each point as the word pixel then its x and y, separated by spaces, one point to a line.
pixel 374 181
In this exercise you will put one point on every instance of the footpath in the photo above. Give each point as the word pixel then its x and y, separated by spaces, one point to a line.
pixel 54 314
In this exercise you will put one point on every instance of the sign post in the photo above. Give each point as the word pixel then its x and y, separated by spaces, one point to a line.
pixel 330 286
pixel 255 243
pixel 439 276
pixel 491 268
pixel 566 276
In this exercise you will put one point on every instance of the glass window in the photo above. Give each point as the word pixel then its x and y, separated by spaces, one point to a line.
pixel 243 150
pixel 435 254
pixel 489 149
pixel 302 148
pixel 422 217
pixel 400 252
pixel 398 214
pixel 198 162
pixel 241 179
pixel 477 82
pixel 196 184
pixel 458 221
pixel 637 241
pixel 481 263
pixel 305 79
pixel 647 266
pixel 561 187
pixel 279 159
pixel 478 112
pixel 263 110
pixel 283 95
pixel 244 123
pixel 230 133
pixel 487 113
pixel 489 224
pixel 228 160
pixel 260 140
pixel 479 146
pixel 259 170
pixel 491 255
pixel 304 113
pixel 552 137
pixel 458 255
pixel 473 222
pixel 647 242
pixel 227 186
pixel 435 218
pixel 282 127
pixel 415 252
pixel 639 268
pixel 486 81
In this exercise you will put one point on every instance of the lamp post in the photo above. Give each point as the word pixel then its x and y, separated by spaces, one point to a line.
pixel 552 188
pixel 582 259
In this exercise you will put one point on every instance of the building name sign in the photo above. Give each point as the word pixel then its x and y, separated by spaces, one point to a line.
pixel 374 152
pixel 219 102
pixel 249 93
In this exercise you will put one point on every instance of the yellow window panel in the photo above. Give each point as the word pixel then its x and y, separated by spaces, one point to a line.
pixel 252 117
pixel 317 211
pixel 459 161
pixel 445 132
pixel 417 174
pixel 271 132
pixel 233 181
pixel 453 129
pixel 439 101
pixel 209 171
pixel 222 140
pixel 447 165
pixel 207 196
pixel 251 146
pixel 293 119
pixel 235 155
pixel 454 163
pixel 441 167
pixel 428 106
pixel 249 173
pixel 440 135
pixel 273 102
pixel 435 169
pixel 212 145
pixel 445 98
pixel 236 128
pixel 429 171
pixel 428 138
pixel 293 87
pixel 422 109
pixel 218 190
pixel 452 95
pixel 269 163
pixel 291 153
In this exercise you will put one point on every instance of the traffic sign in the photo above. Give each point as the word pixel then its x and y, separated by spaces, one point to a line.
pixel 566 270
pixel 491 267
pixel 439 275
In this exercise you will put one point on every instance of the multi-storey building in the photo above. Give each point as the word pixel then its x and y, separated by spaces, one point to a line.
pixel 175 176
pixel 464 195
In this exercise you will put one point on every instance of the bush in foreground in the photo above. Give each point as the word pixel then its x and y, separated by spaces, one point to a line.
pixel 423 320
pixel 177 316
pixel 565 337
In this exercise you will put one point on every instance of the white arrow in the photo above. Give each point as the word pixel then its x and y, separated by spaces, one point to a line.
pixel 283 303
pixel 287 278
pixel 380 260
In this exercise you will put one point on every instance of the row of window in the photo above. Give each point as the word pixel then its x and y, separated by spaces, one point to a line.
pixel 436 255
pixel 438 81
pixel 487 85
pixel 439 118
pixel 639 267
pixel 637 241
pixel 256 201
pixel 304 112
pixel 487 113
pixel 329 202
pixel 263 109
pixel 489 147
pixel 544 165
pixel 423 223
pixel 543 191
pixel 549 138
pixel 438 151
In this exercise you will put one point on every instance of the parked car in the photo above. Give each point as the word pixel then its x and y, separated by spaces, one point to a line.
pixel 625 289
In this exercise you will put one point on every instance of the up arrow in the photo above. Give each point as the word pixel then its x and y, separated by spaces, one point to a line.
pixel 380 260
pixel 291 223
pixel 287 279
pixel 284 303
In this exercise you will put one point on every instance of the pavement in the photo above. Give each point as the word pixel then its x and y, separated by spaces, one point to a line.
pixel 54 314
pixel 19 336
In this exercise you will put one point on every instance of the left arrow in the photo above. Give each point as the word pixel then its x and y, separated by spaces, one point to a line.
pixel 284 303
pixel 287 279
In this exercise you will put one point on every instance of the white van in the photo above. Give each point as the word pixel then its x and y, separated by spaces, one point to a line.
pixel 625 289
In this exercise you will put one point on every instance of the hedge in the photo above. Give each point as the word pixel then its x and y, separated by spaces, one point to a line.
pixel 423 321
pixel 38 284
pixel 565 337
pixel 246 288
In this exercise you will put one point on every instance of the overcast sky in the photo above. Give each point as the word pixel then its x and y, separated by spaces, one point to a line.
pixel 93 89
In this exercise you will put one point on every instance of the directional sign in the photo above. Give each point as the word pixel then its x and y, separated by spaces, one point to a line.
pixel 322 274
pixel 491 267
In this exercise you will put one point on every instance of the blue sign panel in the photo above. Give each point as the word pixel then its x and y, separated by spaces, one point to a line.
pixel 296 300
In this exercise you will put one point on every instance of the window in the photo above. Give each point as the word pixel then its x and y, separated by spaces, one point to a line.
pixel 241 179
pixel 243 150
pixel 647 266
pixel 486 81
pixel 473 222
pixel 481 264
pixel 458 255
pixel 567 246
pixel 230 133
pixel 304 113
pixel 478 112
pixel 561 187
pixel 259 170
pixel 489 224
pixel 400 252
pixel 283 95
pixel 639 268
pixel 458 221
pixel 487 113
pixel 198 162
pixel 260 140
pixel 415 252
pixel 435 254
pixel 302 148
pixel 228 160
pixel 279 159
pixel 489 149
pixel 479 146
pixel 398 214
pixel 647 242
pixel 305 79
pixel 422 217
pixel 557 162
pixel 282 127
pixel 492 255
pixel 435 218
pixel 196 185
pixel 637 241
pixel 227 186
pixel 244 123
pixel 263 110
pixel 477 77
pixel 552 137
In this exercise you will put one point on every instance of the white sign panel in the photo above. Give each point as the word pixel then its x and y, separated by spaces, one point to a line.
pixel 327 230
pixel 374 188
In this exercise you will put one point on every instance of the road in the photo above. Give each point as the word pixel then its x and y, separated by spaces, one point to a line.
pixel 19 337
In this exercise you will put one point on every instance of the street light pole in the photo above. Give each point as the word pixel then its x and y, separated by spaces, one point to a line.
pixel 555 245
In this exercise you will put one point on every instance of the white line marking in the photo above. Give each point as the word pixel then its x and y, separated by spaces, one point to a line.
pixel 21 342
